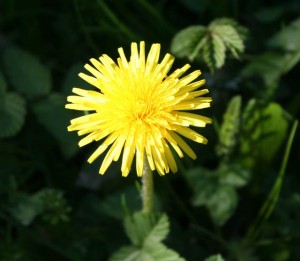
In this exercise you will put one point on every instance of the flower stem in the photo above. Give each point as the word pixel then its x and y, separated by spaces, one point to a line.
pixel 147 188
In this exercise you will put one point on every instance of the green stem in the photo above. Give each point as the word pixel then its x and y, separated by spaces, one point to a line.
pixel 147 188
pixel 273 196
pixel 115 20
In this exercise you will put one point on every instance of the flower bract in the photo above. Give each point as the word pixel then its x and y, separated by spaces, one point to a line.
pixel 139 110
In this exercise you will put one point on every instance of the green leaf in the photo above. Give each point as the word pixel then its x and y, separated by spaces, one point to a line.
pixel 49 202
pixel 73 80
pixel 241 30
pixel 26 73
pixel 264 130
pixel 159 230
pixel 210 43
pixel 145 232
pixel 231 38
pixel 47 111
pixel 160 252
pixel 153 252
pixel 214 52
pixel 233 175
pixel 269 67
pixel 215 258
pixel 219 50
pixel 220 199
pixel 55 208
pixel 112 205
pixel 26 209
pixel 127 253
pixel 288 39
pixel 189 41
pixel 12 115
pixel 3 87
pixel 144 228
pixel 230 127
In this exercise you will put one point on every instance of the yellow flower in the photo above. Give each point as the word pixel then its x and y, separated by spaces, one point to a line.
pixel 139 109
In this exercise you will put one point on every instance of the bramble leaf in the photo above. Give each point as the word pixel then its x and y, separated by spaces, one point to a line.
pixel 189 41
pixel 144 228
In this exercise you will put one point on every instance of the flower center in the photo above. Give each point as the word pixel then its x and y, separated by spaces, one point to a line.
pixel 141 110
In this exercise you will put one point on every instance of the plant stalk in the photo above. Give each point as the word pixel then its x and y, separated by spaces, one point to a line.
pixel 147 188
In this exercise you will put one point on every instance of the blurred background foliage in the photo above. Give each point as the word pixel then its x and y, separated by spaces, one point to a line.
pixel 239 200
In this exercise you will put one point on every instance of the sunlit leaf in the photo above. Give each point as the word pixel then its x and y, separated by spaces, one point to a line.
pixel 189 41
pixel 127 253
pixel 210 43
pixel 214 52
pixel 215 258
pixel 153 252
pixel 232 40
pixel 144 228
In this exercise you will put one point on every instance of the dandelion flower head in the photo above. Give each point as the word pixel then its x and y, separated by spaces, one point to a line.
pixel 139 110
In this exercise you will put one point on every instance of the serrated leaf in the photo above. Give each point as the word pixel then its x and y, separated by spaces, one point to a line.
pixel 230 127
pixel 215 258
pixel 12 115
pixel 25 72
pixel 220 199
pixel 214 52
pixel 127 253
pixel 231 39
pixel 264 130
pixel 189 41
pixel 160 252
pixel 47 112
pixel 159 230
pixel 144 228
pixel 241 30
pixel 153 252
pixel 219 50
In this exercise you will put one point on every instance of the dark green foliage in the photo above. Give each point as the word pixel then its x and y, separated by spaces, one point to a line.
pixel 214 258
pixel 210 43
pixel 146 231
pixel 26 74
pixel 238 201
